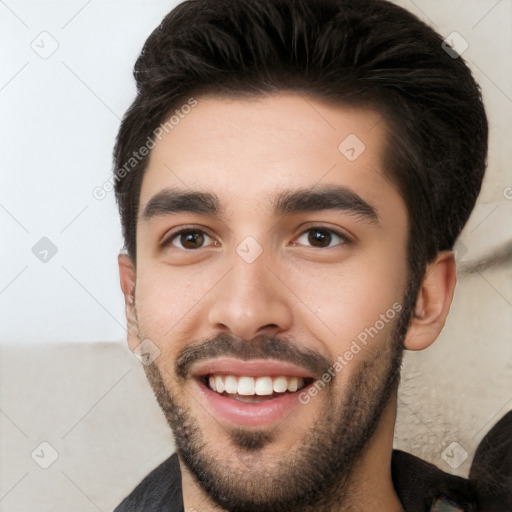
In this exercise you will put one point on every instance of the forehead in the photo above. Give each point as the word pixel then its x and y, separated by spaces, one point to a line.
pixel 245 151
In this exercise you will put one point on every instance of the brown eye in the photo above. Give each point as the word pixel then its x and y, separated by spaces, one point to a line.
pixel 189 239
pixel 321 238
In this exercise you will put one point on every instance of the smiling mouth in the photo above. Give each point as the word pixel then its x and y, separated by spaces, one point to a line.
pixel 254 389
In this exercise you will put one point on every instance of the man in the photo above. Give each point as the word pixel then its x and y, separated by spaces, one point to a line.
pixel 291 178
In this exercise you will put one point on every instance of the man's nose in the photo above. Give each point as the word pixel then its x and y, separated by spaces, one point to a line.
pixel 251 300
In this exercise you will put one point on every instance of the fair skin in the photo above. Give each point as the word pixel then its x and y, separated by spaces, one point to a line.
pixel 245 152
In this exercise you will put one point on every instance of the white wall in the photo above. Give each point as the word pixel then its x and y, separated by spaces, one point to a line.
pixel 59 119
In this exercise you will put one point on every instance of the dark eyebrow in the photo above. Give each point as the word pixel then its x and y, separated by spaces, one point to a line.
pixel 327 197
pixel 170 201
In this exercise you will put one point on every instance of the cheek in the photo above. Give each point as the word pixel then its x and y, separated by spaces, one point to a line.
pixel 348 301
pixel 167 298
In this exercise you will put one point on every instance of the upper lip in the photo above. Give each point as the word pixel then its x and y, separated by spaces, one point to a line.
pixel 251 368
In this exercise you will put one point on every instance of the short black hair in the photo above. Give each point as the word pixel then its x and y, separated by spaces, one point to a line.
pixel 363 53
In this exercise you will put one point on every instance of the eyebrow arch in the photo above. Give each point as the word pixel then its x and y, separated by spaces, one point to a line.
pixel 327 197
pixel 171 200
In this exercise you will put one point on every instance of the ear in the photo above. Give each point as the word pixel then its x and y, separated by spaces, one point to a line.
pixel 127 276
pixel 433 303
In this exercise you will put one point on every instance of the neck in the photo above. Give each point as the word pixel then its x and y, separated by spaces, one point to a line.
pixel 371 486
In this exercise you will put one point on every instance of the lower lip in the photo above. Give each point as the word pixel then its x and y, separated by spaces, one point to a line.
pixel 236 413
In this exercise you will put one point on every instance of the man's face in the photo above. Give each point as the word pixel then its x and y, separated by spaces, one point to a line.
pixel 264 292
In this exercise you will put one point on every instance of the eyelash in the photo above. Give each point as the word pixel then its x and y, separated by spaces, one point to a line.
pixel 344 240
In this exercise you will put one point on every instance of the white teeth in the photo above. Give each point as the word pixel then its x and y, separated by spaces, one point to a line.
pixel 231 384
pixel 261 386
pixel 219 384
pixel 280 384
pixel 245 386
pixel 292 384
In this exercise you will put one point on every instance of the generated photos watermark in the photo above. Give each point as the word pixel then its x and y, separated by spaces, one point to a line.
pixel 100 192
pixel 355 347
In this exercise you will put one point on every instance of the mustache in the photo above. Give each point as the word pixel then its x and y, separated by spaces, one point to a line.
pixel 262 347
